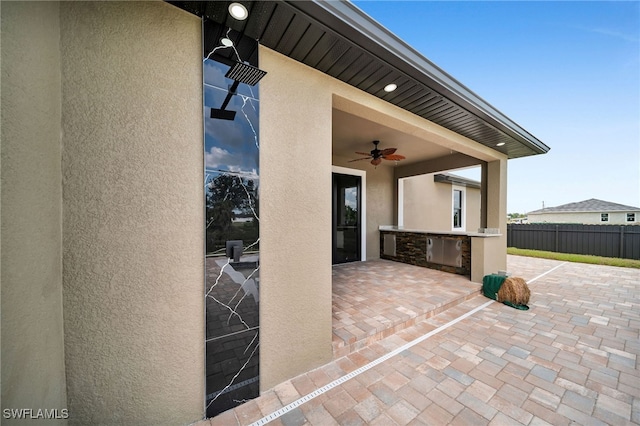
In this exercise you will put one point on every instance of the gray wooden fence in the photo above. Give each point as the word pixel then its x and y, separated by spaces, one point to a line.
pixel 621 241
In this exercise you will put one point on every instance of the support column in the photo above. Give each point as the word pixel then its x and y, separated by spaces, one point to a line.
pixel 489 255
pixel 497 195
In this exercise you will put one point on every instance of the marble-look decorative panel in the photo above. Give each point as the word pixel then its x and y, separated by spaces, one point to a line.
pixel 232 182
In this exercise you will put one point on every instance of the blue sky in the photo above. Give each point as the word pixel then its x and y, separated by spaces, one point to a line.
pixel 568 72
pixel 231 146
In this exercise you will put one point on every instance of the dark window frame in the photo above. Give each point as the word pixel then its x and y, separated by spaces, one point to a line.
pixel 458 210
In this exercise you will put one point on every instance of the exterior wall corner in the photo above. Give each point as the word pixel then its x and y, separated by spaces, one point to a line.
pixel 133 212
pixel 33 367
pixel 295 231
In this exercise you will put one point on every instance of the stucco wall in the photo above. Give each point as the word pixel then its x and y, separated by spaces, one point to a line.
pixel 295 227
pixel 132 164
pixel 615 218
pixel 380 206
pixel 295 219
pixel 474 204
pixel 495 258
pixel 32 326
pixel 429 205
pixel 122 83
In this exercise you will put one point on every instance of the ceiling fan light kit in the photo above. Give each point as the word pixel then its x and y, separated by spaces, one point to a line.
pixel 377 155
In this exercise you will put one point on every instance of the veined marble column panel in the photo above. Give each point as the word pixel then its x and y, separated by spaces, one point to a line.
pixel 232 182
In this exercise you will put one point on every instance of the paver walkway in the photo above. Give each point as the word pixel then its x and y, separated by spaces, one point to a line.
pixel 571 359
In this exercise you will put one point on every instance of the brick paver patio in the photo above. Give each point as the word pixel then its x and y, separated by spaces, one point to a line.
pixel 571 359
pixel 375 299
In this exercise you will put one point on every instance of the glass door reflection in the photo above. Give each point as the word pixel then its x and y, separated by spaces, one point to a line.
pixel 346 218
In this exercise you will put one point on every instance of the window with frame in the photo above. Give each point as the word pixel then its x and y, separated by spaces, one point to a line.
pixel 604 217
pixel 458 218
pixel 631 217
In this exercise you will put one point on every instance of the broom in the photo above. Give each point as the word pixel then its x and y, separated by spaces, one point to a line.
pixel 515 291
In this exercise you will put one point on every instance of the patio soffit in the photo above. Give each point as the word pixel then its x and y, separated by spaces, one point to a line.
pixel 338 39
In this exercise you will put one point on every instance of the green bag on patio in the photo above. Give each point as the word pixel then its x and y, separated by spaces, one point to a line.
pixel 491 285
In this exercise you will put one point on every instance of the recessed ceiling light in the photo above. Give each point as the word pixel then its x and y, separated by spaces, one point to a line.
pixel 390 87
pixel 500 144
pixel 238 11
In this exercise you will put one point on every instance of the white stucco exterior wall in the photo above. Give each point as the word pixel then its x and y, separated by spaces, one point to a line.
pixel 33 374
pixel 133 213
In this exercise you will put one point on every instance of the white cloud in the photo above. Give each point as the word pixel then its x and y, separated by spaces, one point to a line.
pixel 616 34
pixel 221 159
pixel 608 32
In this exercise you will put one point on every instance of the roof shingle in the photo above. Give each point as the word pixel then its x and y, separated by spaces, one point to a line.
pixel 591 205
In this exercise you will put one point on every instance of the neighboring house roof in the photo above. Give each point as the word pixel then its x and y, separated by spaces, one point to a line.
pixel 456 180
pixel 592 205
pixel 340 40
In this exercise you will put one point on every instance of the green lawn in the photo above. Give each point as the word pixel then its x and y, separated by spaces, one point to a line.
pixel 579 258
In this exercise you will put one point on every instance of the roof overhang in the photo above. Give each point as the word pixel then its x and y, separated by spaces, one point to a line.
pixel 455 180
pixel 338 39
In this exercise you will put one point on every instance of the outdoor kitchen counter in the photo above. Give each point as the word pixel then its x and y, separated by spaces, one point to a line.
pixel 453 233
pixel 445 251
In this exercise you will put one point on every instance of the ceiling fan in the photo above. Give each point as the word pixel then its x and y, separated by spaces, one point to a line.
pixel 377 155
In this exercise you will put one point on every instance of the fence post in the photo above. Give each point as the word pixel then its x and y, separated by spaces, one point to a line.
pixel 621 251
pixel 557 232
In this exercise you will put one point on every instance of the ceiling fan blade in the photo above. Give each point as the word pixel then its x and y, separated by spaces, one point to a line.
pixel 358 159
pixel 363 153
pixel 376 161
pixel 394 157
pixel 388 151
